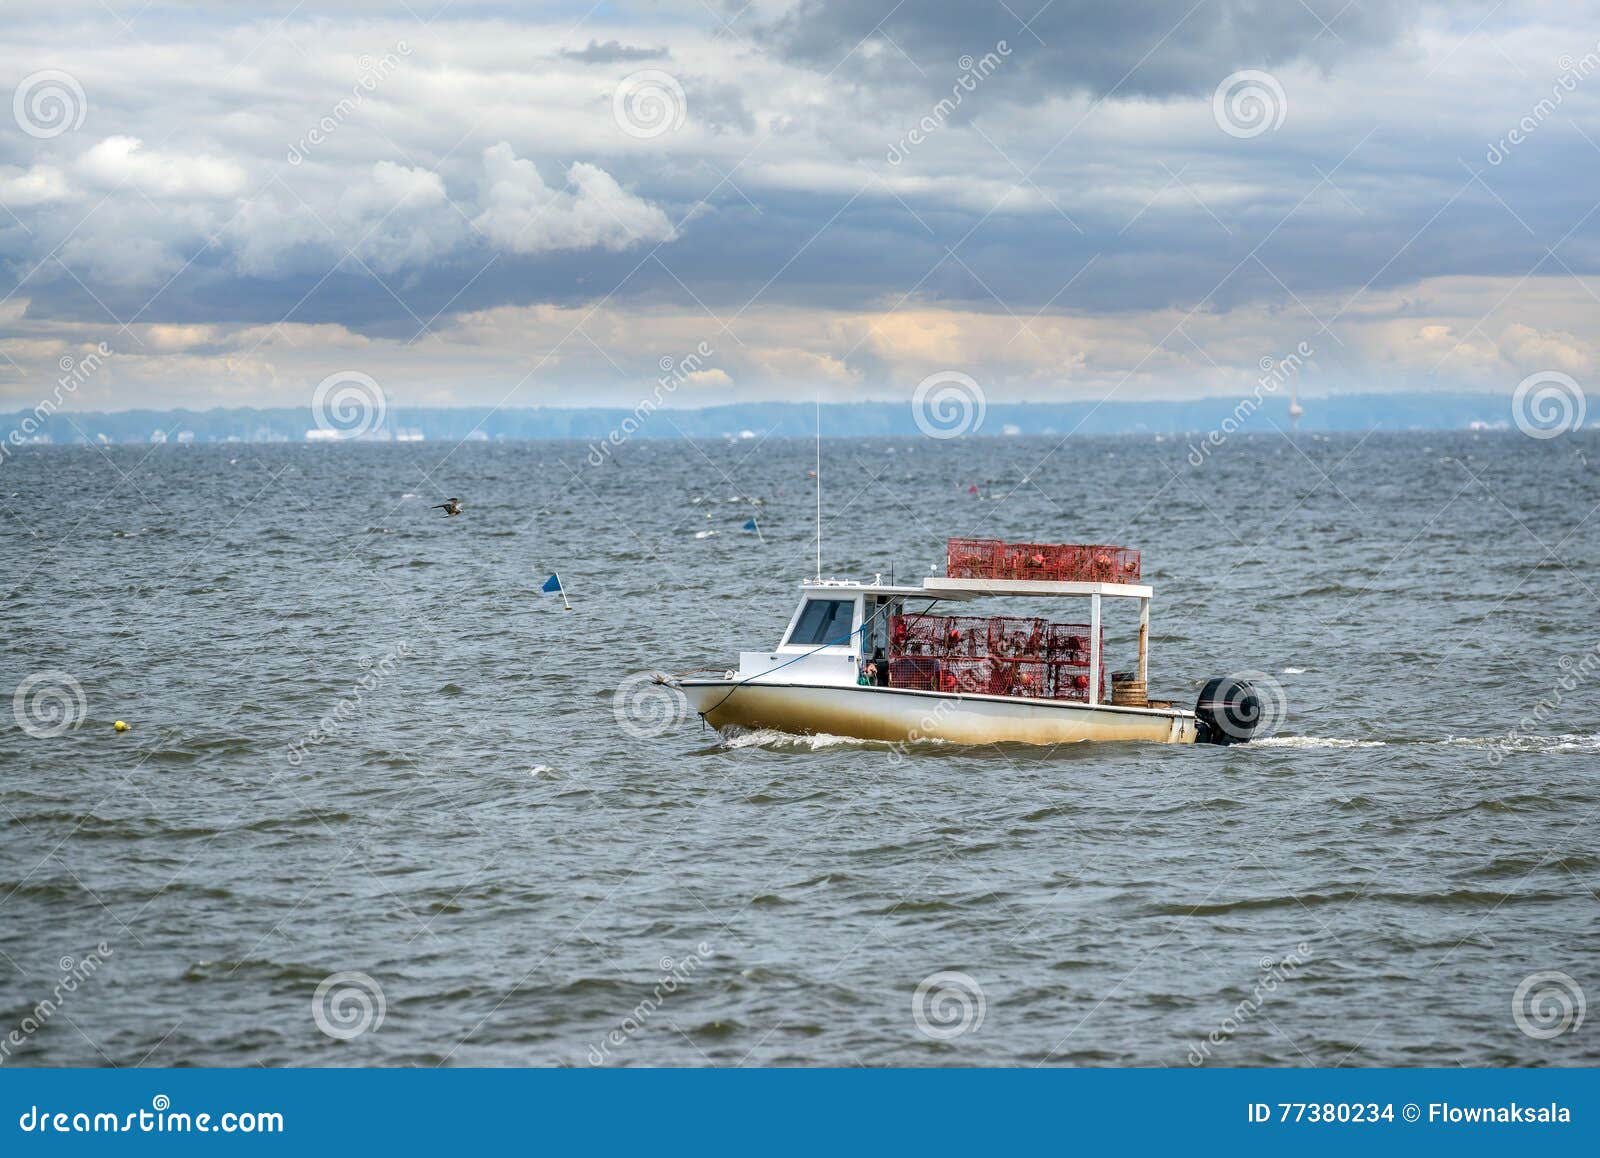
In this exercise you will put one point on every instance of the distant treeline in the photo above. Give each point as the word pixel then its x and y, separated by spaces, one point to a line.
pixel 781 419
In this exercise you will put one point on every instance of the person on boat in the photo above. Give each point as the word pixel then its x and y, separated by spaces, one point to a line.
pixel 880 664
pixel 868 676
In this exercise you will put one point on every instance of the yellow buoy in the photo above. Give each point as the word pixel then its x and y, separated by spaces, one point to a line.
pixel 120 726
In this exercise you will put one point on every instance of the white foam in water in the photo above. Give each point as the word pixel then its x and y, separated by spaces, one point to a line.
pixel 1294 671
pixel 1315 742
pixel 767 738
pixel 1565 742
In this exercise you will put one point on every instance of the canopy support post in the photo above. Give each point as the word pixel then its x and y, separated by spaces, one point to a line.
pixel 1144 642
pixel 1094 649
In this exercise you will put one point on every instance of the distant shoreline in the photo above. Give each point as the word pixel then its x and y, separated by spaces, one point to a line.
pixel 1329 414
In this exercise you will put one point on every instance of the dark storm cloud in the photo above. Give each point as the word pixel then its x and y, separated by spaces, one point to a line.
pixel 1155 48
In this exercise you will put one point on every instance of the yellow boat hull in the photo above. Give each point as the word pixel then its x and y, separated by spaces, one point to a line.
pixel 902 715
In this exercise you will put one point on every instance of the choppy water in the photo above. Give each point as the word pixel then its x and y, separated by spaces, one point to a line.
pixel 476 833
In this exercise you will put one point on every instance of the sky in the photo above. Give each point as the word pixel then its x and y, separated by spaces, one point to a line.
pixel 208 204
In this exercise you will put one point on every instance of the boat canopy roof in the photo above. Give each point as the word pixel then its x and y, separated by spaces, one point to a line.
pixel 939 587
pixel 972 588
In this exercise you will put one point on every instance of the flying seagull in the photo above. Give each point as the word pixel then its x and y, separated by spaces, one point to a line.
pixel 449 507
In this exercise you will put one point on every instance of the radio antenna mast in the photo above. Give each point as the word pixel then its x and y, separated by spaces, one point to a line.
pixel 819 487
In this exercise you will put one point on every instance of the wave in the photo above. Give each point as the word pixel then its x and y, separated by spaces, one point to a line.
pixel 1563 742
pixel 1472 897
pixel 768 738
pixel 1510 742
pixel 1315 742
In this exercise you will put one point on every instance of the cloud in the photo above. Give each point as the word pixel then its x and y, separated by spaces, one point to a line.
pixel 39 185
pixel 612 51
pixel 1080 222
pixel 711 377
pixel 170 339
pixel 1433 335
pixel 525 216
pixel 123 161
pixel 1158 48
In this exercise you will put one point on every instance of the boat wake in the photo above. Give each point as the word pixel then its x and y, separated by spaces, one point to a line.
pixel 1564 742
pixel 1314 742
pixel 1523 742
pixel 769 738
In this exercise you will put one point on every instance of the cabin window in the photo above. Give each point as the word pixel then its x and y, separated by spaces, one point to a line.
pixel 824 621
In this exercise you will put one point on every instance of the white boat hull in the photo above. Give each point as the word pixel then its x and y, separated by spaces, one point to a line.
pixel 900 715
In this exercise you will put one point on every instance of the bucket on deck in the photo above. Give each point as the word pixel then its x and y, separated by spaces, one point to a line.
pixel 1128 691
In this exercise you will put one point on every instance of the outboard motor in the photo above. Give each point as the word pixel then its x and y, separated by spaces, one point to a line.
pixel 1228 711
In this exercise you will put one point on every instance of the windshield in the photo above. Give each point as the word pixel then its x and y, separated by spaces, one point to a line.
pixel 823 621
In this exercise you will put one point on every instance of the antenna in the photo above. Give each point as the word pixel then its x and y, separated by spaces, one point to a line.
pixel 819 487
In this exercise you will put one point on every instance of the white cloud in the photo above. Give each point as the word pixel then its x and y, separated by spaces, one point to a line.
pixel 124 161
pixel 39 185
pixel 521 213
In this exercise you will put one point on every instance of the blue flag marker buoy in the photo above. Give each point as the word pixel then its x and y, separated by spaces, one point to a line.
pixel 752 525
pixel 554 584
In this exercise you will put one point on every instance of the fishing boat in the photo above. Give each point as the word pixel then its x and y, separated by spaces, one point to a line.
pixel 872 661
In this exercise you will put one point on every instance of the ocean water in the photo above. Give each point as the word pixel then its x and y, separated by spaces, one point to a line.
pixel 381 801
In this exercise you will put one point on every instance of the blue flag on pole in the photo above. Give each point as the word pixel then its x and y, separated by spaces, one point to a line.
pixel 749 524
pixel 552 584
